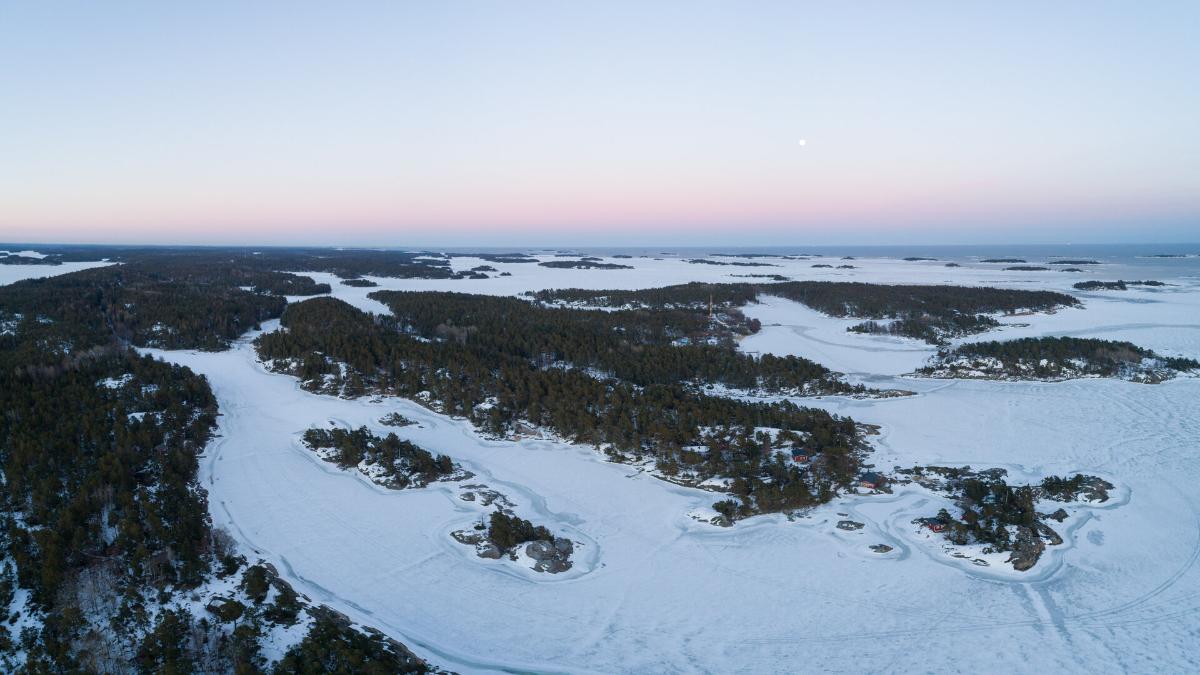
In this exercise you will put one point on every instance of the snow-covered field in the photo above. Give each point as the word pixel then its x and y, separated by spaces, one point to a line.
pixel 654 590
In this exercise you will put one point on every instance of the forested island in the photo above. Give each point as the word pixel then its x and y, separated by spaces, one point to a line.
pixel 1003 517
pixel 772 277
pixel 1118 285
pixel 753 255
pixel 499 257
pixel 932 313
pixel 735 263
pixel 926 312
pixel 503 534
pixel 645 346
pixel 584 264
pixel 1056 358
pixel 609 379
pixel 387 461
pixel 694 297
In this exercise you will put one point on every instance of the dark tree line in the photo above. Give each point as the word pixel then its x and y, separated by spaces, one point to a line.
pixel 1048 357
pixel 344 263
pixel 1118 285
pixel 498 257
pixel 402 463
pixel 927 312
pixel 507 531
pixel 694 295
pixel 175 306
pixel 499 387
pixel 639 346
pixel 584 264
pixel 735 263
pixel 931 330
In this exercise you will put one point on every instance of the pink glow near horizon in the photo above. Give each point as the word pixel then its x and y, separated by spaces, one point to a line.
pixel 416 123
pixel 854 206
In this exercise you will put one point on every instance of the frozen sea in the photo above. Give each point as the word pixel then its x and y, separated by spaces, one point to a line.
pixel 655 590
pixel 10 274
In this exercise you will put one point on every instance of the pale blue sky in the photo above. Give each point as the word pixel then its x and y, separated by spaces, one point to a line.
pixel 603 123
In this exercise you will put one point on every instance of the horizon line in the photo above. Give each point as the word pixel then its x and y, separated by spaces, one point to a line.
pixel 561 246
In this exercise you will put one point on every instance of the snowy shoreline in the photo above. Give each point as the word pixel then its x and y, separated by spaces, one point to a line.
pixel 648 569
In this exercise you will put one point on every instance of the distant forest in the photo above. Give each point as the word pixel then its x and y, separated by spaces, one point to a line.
pixel 345 263
pixel 1118 285
pixel 932 313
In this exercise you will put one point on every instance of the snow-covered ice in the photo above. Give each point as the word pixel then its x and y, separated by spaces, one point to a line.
pixel 25 254
pixel 792 328
pixel 10 274
pixel 656 590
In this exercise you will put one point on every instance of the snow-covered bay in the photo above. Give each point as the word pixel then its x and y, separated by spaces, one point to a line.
pixel 10 274
pixel 654 590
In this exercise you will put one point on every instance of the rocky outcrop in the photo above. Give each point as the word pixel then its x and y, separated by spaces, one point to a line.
pixel 551 556
pixel 1027 549
pixel 483 547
